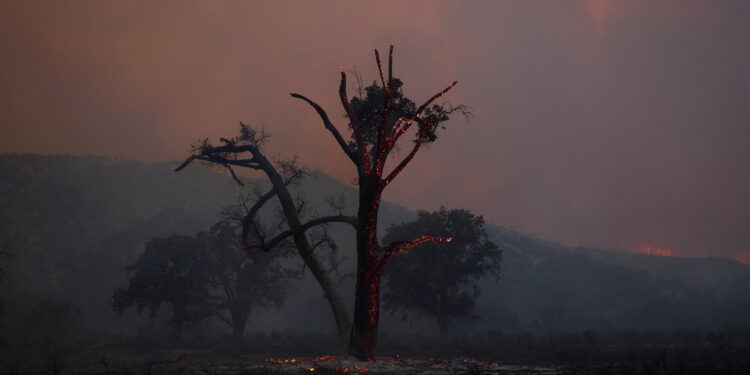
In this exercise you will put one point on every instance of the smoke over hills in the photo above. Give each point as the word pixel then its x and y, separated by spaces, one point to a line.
pixel 74 223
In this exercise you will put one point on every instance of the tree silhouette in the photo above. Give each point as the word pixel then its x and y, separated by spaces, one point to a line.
pixel 440 280
pixel 281 175
pixel 380 120
pixel 4 278
pixel 202 276
pixel 53 323
pixel 238 283
pixel 171 271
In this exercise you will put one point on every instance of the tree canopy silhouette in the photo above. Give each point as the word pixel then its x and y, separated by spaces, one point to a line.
pixel 171 271
pixel 202 276
pixel 440 280
pixel 239 284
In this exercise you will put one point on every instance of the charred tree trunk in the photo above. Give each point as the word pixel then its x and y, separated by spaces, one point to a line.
pixel 178 322
pixel 369 154
pixel 442 315
pixel 367 298
pixel 239 322
pixel 218 155
pixel 366 313
pixel 305 250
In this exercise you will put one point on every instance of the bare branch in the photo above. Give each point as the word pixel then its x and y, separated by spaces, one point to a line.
pixel 224 162
pixel 185 163
pixel 465 111
pixel 402 246
pixel 331 128
pixel 290 170
pixel 234 176
pixel 380 70
pixel 337 202
pixel 387 108
pixel 231 148
pixel 223 318
pixel 356 128
pixel 358 77
pixel 417 144
pixel 304 227
pixel 400 131
pixel 390 65
pixel 247 221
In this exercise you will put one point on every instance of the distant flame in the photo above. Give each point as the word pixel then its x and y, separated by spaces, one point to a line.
pixel 658 251
pixel 744 257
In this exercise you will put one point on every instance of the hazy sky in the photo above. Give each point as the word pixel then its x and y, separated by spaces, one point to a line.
pixel 618 124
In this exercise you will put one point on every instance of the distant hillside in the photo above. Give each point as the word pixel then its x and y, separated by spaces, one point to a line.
pixel 548 286
pixel 75 222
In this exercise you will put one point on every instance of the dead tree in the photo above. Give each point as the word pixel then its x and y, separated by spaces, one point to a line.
pixel 369 155
pixel 369 151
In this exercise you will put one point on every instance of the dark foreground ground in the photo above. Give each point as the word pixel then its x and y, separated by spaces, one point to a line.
pixel 622 352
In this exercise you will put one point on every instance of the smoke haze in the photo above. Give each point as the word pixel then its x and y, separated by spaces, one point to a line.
pixel 619 124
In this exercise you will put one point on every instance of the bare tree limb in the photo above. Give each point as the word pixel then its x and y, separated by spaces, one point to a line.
pixel 390 64
pixel 417 144
pixel 402 246
pixel 234 176
pixel 331 128
pixel 223 318
pixel 387 108
pixel 400 131
pixel 226 163
pixel 318 221
pixel 356 128
pixel 247 221
pixel 185 163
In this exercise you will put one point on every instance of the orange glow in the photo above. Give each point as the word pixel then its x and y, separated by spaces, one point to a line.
pixel 311 364
pixel 658 251
pixel 744 257
pixel 291 361
pixel 599 11
pixel 353 369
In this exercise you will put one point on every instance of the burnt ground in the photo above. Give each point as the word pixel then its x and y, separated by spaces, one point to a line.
pixel 590 352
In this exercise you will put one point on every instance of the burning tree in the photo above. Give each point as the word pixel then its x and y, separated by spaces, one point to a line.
pixel 377 123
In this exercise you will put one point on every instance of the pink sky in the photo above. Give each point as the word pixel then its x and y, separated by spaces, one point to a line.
pixel 599 122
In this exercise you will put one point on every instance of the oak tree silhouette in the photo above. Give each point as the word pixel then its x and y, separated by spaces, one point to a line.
pixel 441 280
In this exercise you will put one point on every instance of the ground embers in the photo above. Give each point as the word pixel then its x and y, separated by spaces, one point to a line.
pixel 392 366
